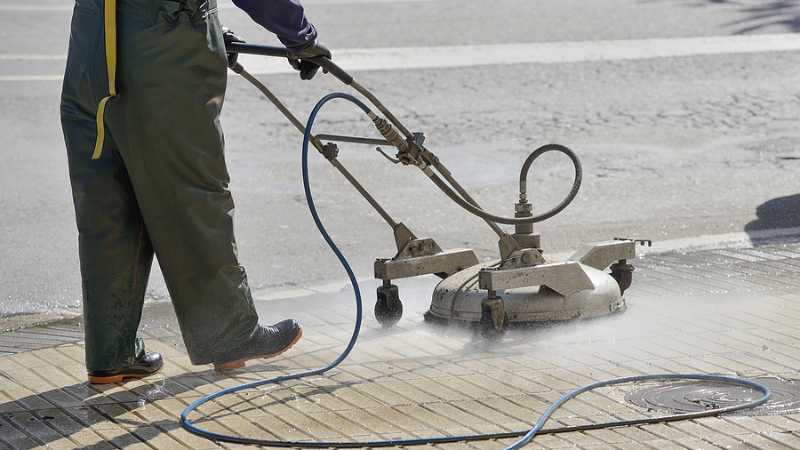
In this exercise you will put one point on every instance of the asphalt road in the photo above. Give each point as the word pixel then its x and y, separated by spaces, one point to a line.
pixel 673 147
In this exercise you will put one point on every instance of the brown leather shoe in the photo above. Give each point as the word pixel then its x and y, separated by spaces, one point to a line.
pixel 145 365
pixel 266 342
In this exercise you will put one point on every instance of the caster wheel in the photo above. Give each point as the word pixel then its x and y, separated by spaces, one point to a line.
pixel 388 307
pixel 493 320
pixel 490 332
pixel 622 272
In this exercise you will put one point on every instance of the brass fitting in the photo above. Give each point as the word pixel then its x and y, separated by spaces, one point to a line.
pixel 388 132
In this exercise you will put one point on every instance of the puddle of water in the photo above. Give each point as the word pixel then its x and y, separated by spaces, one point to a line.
pixel 688 397
pixel 156 392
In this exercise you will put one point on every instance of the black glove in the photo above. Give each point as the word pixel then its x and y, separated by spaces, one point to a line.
pixel 228 37
pixel 300 59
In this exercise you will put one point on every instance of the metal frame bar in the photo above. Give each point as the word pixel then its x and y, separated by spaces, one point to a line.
pixel 352 139
pixel 315 140
pixel 348 80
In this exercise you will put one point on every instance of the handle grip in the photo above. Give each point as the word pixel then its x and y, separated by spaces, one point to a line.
pixel 251 49
pixel 281 52
pixel 333 69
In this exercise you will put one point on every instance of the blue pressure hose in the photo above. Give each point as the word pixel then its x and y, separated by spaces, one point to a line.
pixel 525 436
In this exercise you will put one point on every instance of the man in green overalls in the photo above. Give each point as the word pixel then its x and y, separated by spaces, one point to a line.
pixel 143 90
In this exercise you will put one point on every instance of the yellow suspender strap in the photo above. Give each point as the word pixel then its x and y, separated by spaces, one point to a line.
pixel 110 31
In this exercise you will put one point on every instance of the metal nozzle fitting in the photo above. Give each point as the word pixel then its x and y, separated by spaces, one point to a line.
pixel 523 232
pixel 523 209
pixel 388 132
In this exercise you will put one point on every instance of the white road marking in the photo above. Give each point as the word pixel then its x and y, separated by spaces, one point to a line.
pixel 20 8
pixel 739 239
pixel 32 57
pixel 221 5
pixel 727 240
pixel 31 77
pixel 403 58
pixel 537 53
pixel 689 244
pixel 345 2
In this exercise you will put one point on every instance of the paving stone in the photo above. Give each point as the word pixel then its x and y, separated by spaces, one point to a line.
pixel 706 434
pixel 662 444
pixel 788 439
pixel 404 421
pixel 723 426
pixel 91 440
pixel 636 434
pixel 382 394
pixel 609 436
pixel 628 445
pixel 553 441
pixel 34 426
pixel 439 422
pixel 583 440
pixel 157 438
pixel 780 422
pixel 762 442
pixel 752 424
pixel 12 437
pixel 408 391
pixel 371 419
pixel 468 418
pixel 697 444
pixel 438 390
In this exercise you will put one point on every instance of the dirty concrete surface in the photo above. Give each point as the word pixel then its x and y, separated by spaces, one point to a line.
pixel 672 147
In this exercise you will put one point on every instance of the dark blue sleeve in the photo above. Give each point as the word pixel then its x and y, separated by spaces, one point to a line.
pixel 285 18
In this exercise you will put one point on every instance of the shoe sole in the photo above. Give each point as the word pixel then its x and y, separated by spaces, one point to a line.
pixel 121 378
pixel 239 363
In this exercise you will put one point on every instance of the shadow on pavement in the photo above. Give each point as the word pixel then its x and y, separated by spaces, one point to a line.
pixel 87 407
pixel 780 212
pixel 760 14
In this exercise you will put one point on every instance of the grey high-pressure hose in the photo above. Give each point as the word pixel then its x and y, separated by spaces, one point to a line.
pixel 576 185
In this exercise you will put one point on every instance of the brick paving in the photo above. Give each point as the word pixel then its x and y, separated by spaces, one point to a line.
pixel 731 311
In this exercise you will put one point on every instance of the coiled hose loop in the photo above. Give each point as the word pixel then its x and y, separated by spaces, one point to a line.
pixel 576 183
pixel 476 210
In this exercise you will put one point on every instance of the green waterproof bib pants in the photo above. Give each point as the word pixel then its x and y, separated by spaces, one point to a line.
pixel 142 94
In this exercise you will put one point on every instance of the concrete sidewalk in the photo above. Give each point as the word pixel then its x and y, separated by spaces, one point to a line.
pixel 731 311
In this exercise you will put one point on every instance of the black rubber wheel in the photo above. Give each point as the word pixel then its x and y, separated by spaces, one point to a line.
pixel 388 307
pixel 622 272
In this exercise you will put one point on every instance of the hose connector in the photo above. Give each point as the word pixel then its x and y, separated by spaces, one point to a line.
pixel 523 232
pixel 388 132
pixel 523 209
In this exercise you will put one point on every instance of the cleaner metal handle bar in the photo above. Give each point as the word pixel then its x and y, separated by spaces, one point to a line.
pixel 316 142
pixel 328 66
pixel 426 159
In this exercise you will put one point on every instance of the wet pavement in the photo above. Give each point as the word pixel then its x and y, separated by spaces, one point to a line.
pixel 724 311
